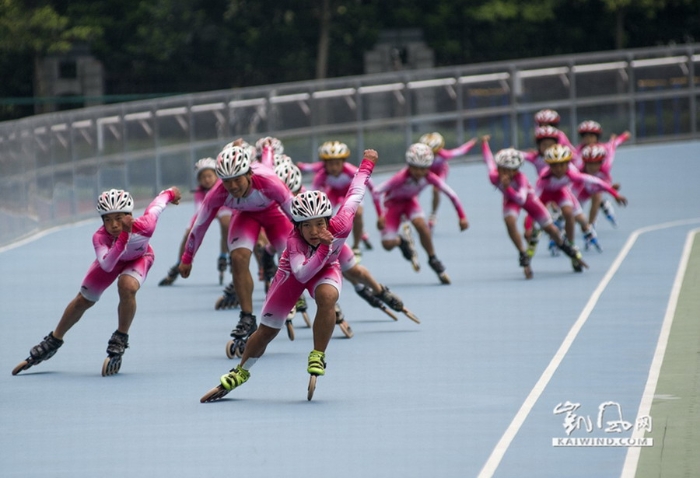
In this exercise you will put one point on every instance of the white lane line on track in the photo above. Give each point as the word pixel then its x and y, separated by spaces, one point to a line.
pixel 41 234
pixel 499 451
pixel 629 469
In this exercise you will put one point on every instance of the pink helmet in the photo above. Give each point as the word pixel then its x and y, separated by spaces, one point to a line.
pixel 593 153
pixel 546 132
pixel 592 127
pixel 547 117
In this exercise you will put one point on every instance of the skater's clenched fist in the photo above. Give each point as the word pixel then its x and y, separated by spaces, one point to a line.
pixel 371 155
pixel 185 270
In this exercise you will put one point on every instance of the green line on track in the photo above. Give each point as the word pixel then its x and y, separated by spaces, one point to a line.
pixel 675 411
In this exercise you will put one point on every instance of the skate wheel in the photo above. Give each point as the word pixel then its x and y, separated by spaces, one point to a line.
pixel 111 365
pixel 238 351
pixel 389 313
pixel 528 272
pixel 306 318
pixel 444 278
pixel 346 329
pixel 219 303
pixel 415 264
pixel 290 329
pixel 231 349
pixel 312 387
pixel 216 393
pixel 23 365
pixel 411 316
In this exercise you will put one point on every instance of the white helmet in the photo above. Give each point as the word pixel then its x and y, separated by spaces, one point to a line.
pixel 547 117
pixel 509 158
pixel 232 162
pixel 434 140
pixel 115 200
pixel 420 155
pixel 311 205
pixel 276 144
pixel 278 159
pixel 205 163
pixel 290 175
pixel 333 150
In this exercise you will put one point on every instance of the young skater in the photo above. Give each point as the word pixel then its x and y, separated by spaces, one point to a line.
pixel 309 262
pixel 441 166
pixel 553 185
pixel 205 169
pixel 260 202
pixel 376 294
pixel 333 175
pixel 504 173
pixel 548 117
pixel 401 193
pixel 123 254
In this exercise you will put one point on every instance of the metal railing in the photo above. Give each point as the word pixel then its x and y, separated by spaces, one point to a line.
pixel 53 166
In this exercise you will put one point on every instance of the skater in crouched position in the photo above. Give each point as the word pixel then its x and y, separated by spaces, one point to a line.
pixel 123 254
pixel 309 262
pixel 518 193
pixel 260 201
pixel 400 194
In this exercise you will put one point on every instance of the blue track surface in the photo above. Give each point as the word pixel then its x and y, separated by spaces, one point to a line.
pixel 398 399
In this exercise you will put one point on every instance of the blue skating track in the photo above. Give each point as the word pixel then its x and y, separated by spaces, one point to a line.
pixel 481 387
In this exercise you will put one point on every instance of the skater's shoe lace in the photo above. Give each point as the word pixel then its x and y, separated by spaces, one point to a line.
pixel 46 348
pixel 117 344
pixel 317 363
pixel 436 265
pixel 246 325
pixel 235 378
pixel 301 304
pixel 524 259
pixel 390 299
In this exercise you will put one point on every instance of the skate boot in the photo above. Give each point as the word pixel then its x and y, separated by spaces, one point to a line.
pixel 407 248
pixel 390 299
pixel 340 322
pixel 317 367
pixel 366 241
pixel 439 269
pixel 303 308
pixel 525 264
pixel 553 249
pixel 269 268
pixel 43 351
pixel 229 300
pixel 317 363
pixel 116 346
pixel 245 327
pixel 172 275
pixel 534 240
pixel 592 239
pixel 609 212
pixel 221 265
pixel 288 322
pixel 235 378
pixel 368 294
pixel 572 251
pixel 358 254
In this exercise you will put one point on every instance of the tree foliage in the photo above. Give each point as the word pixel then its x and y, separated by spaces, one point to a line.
pixel 178 46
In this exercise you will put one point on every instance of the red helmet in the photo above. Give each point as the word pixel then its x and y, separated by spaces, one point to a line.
pixel 546 132
pixel 592 127
pixel 593 153
pixel 547 117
